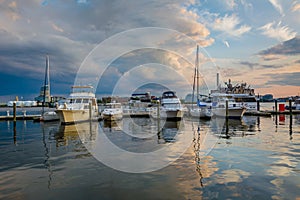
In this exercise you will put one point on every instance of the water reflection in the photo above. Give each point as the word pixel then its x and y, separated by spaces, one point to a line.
pixel 169 131
pixel 228 128
pixel 49 160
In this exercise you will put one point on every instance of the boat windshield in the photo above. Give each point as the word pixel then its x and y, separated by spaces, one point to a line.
pixel 113 106
pixel 169 94
pixel 245 99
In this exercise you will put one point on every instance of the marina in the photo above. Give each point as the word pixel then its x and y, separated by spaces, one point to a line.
pixel 254 157
pixel 158 100
pixel 225 156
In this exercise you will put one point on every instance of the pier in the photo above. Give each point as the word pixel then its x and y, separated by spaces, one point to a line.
pixel 19 117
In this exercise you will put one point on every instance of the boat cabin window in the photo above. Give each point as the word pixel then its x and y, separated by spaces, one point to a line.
pixel 169 95
pixel 78 100
pixel 85 101
pixel 108 106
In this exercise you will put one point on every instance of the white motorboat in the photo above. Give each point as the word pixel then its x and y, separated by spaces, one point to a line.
pixel 201 112
pixel 112 111
pixel 296 104
pixel 247 100
pixel 203 107
pixel 242 93
pixel 80 106
pixel 170 108
pixel 234 109
pixel 49 116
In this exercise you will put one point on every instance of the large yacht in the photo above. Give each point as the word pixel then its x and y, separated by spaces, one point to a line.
pixel 296 104
pixel 234 110
pixel 80 106
pixel 171 107
pixel 241 93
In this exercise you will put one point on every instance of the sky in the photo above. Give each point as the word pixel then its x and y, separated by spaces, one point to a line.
pixel 120 46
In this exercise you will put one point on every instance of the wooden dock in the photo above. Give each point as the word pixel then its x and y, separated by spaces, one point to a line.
pixel 19 117
pixel 136 114
pixel 286 112
pixel 270 113
pixel 258 113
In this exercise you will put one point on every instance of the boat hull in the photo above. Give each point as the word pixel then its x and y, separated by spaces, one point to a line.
pixel 73 116
pixel 232 112
pixel 49 116
pixel 112 117
pixel 203 113
pixel 167 114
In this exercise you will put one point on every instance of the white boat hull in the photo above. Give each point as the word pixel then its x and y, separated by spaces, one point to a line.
pixel 49 116
pixel 167 114
pixel 73 116
pixel 233 112
pixel 201 113
pixel 112 117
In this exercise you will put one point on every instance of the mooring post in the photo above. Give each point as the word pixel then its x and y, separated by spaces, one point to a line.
pixel 258 105
pixel 158 110
pixel 15 111
pixel 90 110
pixel 276 110
pixel 290 106
pixel 226 108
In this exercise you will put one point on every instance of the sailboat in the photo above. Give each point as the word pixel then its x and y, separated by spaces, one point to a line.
pixel 48 115
pixel 203 107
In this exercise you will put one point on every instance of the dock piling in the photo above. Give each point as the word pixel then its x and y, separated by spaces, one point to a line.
pixel 290 106
pixel 258 105
pixel 276 110
pixel 226 109
pixel 15 111
pixel 90 110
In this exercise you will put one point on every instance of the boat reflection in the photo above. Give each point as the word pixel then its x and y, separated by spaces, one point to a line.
pixel 111 125
pixel 169 131
pixel 227 128
pixel 76 133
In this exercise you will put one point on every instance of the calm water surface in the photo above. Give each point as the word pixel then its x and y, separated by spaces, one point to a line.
pixel 253 158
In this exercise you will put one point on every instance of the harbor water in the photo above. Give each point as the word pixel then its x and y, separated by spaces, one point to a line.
pixel 251 158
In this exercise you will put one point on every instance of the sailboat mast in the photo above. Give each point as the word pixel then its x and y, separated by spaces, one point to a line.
pixel 46 81
pixel 195 76
pixel 48 76
pixel 194 83
pixel 197 72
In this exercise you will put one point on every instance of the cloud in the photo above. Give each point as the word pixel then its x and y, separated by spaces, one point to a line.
pixel 277 6
pixel 277 31
pixel 231 4
pixel 290 47
pixel 69 30
pixel 253 65
pixel 296 7
pixel 248 64
pixel 284 79
pixel 271 57
pixel 271 66
pixel 231 25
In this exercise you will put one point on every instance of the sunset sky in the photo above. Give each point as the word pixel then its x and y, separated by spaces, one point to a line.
pixel 255 41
